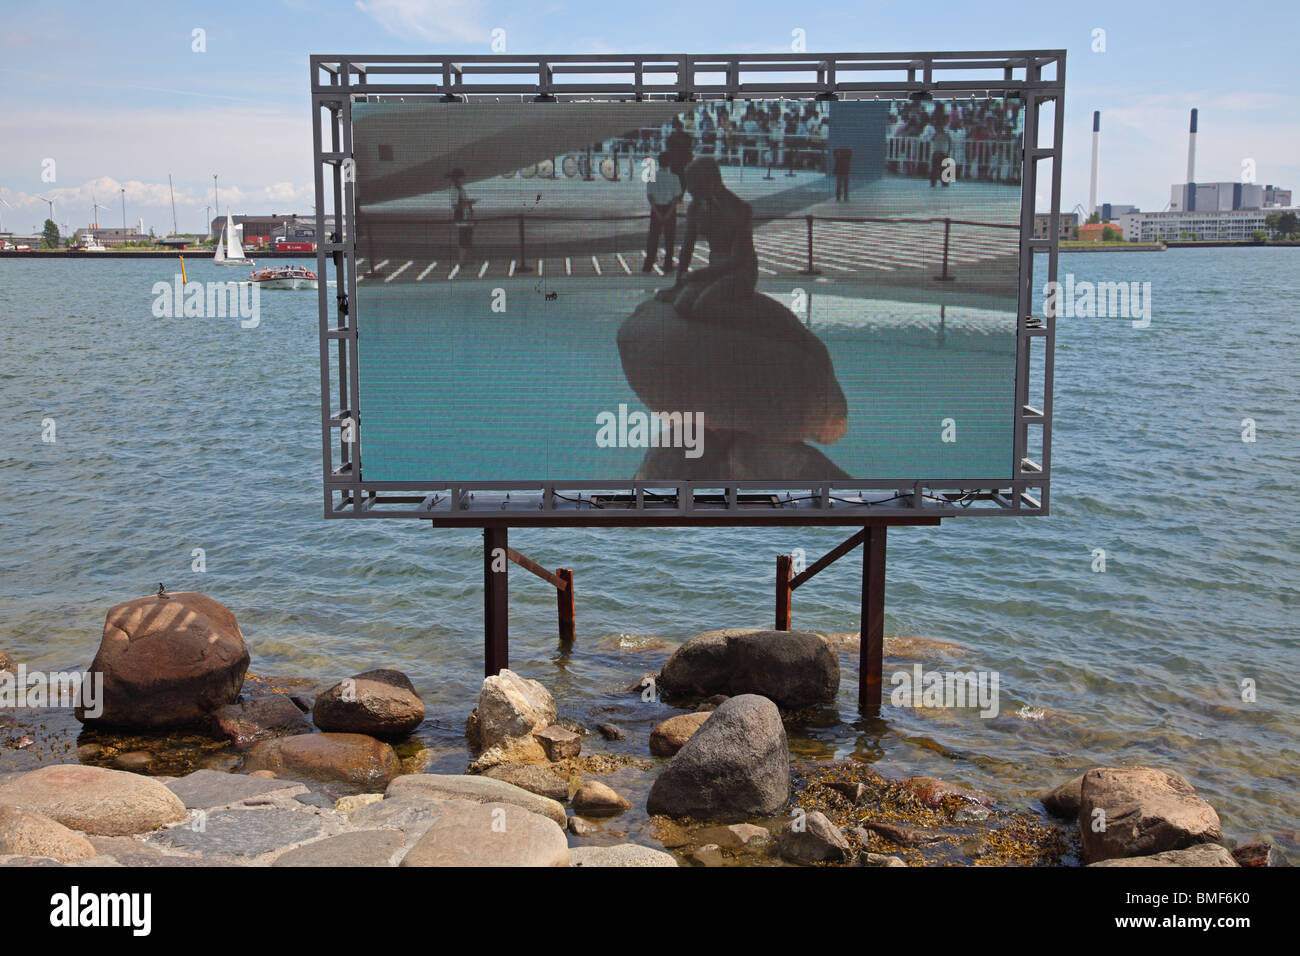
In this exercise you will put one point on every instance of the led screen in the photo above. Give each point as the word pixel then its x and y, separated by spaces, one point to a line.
pixel 748 291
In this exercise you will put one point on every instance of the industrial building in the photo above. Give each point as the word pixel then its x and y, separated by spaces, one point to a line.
pixel 1110 211
pixel 1223 197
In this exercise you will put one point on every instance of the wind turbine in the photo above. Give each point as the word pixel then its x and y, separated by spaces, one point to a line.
pixel 51 202
pixel 94 210
pixel 4 203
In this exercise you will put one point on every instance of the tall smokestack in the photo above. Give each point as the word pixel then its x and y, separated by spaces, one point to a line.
pixel 1096 154
pixel 1191 150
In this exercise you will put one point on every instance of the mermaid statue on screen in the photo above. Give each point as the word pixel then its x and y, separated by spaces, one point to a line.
pixel 712 344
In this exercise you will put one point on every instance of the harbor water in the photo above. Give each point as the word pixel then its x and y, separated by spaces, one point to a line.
pixel 177 434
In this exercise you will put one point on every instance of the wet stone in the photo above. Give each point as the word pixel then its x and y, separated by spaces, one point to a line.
pixel 709 855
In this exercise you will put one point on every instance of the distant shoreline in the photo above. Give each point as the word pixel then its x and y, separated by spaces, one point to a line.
pixel 1170 244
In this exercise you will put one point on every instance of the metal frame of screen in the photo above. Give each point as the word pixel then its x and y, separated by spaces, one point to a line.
pixel 1037 77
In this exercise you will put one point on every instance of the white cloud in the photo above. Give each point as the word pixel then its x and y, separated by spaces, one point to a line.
pixel 432 20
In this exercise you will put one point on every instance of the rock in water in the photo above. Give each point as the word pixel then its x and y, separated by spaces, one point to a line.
pixel 167 662
pixel 1259 854
pixel 249 721
pixel 1142 812
pixel 352 758
pixel 794 669
pixel 560 743
pixel 94 800
pixel 1063 800
pixel 771 377
pixel 382 703
pixel 736 765
pixel 510 710
pixel 595 799
pixel 670 736
pixel 812 839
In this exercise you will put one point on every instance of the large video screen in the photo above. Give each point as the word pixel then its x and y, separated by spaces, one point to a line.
pixel 745 291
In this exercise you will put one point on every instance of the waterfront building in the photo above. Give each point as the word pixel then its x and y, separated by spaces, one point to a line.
pixel 1196 224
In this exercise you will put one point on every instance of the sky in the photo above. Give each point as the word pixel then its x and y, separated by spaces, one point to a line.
pixel 99 97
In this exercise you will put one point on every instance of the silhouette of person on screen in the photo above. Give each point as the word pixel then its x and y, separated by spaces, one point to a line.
pixel 462 214
pixel 721 292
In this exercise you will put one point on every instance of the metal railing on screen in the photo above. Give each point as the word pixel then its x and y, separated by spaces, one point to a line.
pixel 987 160
pixel 521 262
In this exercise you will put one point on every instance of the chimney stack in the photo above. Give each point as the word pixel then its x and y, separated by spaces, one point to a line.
pixel 1096 154
pixel 1191 150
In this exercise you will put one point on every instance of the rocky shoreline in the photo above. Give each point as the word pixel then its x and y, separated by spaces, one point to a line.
pixel 190 761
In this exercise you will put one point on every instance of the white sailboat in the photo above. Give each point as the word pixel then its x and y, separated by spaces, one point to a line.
pixel 229 250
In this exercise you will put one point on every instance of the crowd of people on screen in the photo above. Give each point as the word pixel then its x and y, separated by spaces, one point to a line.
pixel 982 138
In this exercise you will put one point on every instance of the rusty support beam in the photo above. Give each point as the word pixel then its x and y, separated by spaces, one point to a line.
pixel 564 606
pixel 872 638
pixel 784 563
pixel 496 602
pixel 528 564
pixel 826 560
pixel 562 581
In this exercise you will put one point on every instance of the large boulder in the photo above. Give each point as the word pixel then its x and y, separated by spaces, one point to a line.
pixel 26 833
pixel 94 799
pixel 510 710
pixel 1140 811
pixel 736 765
pixel 351 758
pixel 382 703
pixel 793 669
pixel 490 834
pixel 167 661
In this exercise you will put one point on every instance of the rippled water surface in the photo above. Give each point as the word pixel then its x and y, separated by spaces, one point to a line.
pixel 175 434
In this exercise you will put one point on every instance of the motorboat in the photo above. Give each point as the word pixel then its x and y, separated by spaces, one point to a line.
pixel 283 277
